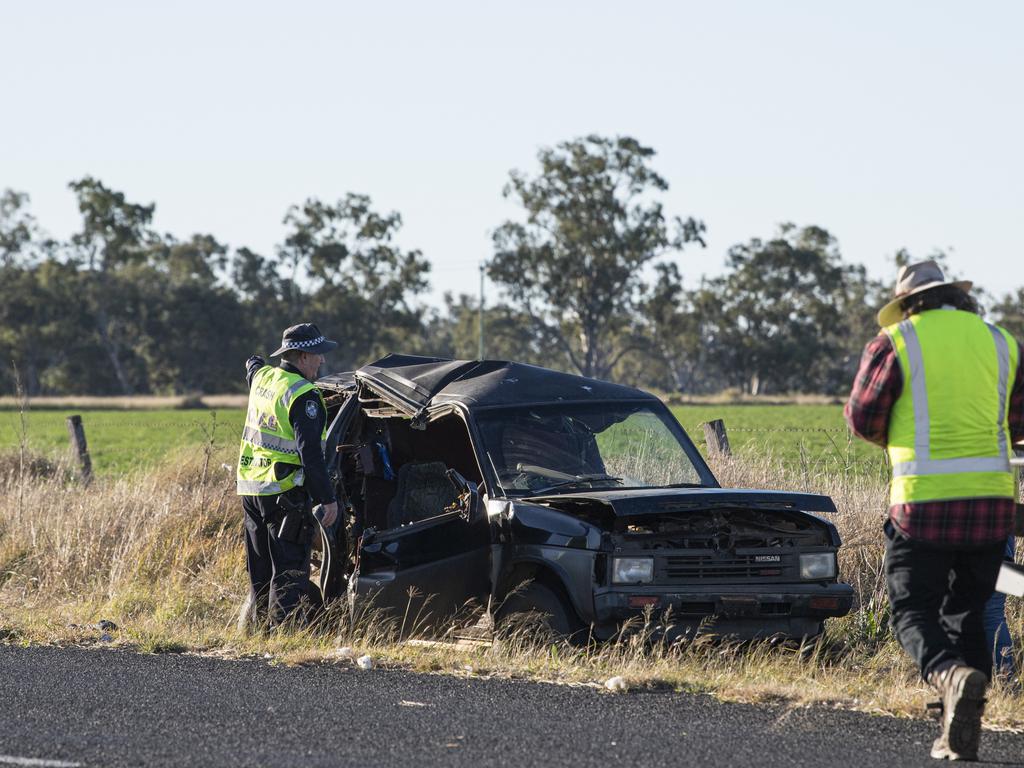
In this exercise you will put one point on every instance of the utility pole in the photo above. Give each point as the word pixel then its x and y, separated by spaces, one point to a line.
pixel 480 314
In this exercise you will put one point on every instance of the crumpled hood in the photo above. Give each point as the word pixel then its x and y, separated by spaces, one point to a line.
pixel 660 501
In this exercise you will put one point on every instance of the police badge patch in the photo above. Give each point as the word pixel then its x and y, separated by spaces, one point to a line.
pixel 311 409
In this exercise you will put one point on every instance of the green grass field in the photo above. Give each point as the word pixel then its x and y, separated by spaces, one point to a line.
pixel 798 436
pixel 120 441
pixel 812 436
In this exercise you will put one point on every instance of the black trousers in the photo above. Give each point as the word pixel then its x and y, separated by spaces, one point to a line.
pixel 938 597
pixel 278 569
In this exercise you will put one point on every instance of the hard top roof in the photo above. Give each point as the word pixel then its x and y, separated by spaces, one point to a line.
pixel 418 382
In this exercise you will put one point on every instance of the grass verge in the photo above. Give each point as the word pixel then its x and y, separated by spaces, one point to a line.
pixel 159 553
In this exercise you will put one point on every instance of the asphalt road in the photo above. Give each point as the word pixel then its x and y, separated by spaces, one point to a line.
pixel 117 708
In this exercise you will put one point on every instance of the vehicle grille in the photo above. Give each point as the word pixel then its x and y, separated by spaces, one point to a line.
pixel 723 567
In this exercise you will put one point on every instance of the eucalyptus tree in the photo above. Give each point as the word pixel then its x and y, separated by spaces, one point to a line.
pixel 788 314
pixel 574 263
pixel 360 281
pixel 115 236
pixel 1009 313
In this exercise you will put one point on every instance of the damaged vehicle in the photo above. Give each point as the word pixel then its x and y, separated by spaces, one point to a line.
pixel 519 490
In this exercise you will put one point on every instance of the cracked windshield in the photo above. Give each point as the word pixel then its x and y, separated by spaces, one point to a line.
pixel 562 448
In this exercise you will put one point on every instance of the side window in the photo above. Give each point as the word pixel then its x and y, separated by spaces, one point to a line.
pixel 643 451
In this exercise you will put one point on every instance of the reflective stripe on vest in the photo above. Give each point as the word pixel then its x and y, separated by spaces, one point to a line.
pixel 927 471
pixel 293 392
pixel 1003 353
pixel 258 488
pixel 263 440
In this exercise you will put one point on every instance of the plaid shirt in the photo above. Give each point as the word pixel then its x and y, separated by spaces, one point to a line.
pixel 878 385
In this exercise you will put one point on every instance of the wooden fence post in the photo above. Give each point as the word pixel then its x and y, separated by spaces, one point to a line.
pixel 716 438
pixel 76 432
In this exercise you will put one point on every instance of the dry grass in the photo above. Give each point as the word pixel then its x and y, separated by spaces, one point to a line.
pixel 735 397
pixel 160 554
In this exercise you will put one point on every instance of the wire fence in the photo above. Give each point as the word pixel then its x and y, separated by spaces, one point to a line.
pixel 789 429
pixel 803 448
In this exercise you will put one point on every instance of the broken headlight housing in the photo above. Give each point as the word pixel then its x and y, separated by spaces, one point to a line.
pixel 818 565
pixel 632 570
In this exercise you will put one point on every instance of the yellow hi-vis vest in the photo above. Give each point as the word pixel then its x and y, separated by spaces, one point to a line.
pixel 948 432
pixel 268 439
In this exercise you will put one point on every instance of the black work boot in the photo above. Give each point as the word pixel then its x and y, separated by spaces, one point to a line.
pixel 962 689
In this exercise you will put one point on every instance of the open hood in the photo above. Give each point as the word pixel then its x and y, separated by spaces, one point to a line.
pixel 661 501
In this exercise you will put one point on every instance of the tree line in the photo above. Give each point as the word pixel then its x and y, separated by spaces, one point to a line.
pixel 588 276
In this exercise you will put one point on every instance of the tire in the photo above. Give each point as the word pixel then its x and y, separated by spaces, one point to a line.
pixel 812 644
pixel 541 614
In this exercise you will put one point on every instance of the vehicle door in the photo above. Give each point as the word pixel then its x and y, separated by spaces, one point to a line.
pixel 427 573
pixel 436 568
pixel 330 546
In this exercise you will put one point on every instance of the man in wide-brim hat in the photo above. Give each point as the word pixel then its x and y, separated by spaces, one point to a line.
pixel 943 392
pixel 282 472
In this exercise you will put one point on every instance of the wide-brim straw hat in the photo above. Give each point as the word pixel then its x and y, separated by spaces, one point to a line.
pixel 915 278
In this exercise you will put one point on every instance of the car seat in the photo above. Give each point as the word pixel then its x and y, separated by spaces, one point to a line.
pixel 423 491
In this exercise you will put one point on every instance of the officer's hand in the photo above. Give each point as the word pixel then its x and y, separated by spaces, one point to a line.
pixel 330 514
pixel 257 359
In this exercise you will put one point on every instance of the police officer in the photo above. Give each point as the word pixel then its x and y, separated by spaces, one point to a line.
pixel 282 472
pixel 943 392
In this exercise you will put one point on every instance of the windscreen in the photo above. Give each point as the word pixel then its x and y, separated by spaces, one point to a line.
pixel 563 448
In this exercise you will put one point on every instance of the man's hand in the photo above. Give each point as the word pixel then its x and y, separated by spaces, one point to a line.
pixel 330 514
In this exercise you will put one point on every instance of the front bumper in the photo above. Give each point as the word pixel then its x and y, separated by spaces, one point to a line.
pixel 740 611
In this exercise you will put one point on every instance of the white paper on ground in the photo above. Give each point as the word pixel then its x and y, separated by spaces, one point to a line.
pixel 1011 580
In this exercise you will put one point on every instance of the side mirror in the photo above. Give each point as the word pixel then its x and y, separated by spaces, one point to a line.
pixel 468 501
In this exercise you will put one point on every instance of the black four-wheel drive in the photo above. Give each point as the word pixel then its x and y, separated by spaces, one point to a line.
pixel 516 488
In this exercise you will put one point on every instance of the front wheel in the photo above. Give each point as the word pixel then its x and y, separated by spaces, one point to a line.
pixel 538 613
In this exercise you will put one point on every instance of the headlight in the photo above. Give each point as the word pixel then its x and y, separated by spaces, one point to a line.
pixel 632 570
pixel 818 565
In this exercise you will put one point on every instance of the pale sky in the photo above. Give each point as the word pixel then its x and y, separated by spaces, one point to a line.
pixel 892 124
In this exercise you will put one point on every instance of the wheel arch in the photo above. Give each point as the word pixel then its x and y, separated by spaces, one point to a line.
pixel 543 571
